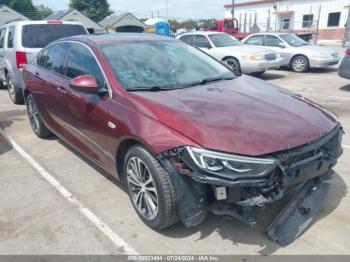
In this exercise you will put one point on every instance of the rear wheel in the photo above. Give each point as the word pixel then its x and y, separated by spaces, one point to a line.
pixel 150 189
pixel 14 92
pixel 300 64
pixel 233 63
pixel 35 120
pixel 2 86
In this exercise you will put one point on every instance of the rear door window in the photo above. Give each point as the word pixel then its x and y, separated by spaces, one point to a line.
pixel 10 36
pixel 53 58
pixel 255 40
pixel 82 62
pixel 2 37
pixel 271 40
pixel 201 41
pixel 187 39
pixel 47 33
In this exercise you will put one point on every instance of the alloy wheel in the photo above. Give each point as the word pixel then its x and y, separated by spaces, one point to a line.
pixel 142 188
pixel 11 89
pixel 33 115
pixel 299 64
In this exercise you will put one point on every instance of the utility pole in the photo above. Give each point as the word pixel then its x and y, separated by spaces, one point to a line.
pixel 166 8
pixel 233 9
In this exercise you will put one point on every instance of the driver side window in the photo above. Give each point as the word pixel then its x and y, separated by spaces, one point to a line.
pixel 271 40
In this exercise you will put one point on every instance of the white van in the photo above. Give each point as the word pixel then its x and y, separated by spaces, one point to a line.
pixel 21 41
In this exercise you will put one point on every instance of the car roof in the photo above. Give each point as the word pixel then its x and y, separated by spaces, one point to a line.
pixel 111 38
pixel 270 33
pixel 40 22
pixel 203 33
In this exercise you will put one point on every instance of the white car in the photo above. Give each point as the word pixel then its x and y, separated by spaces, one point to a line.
pixel 299 55
pixel 226 48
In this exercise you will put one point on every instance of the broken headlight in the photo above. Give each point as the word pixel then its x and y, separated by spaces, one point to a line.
pixel 217 162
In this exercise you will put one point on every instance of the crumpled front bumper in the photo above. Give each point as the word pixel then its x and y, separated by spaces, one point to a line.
pixel 195 188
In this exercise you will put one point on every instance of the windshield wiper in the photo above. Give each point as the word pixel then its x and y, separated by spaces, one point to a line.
pixel 151 89
pixel 208 80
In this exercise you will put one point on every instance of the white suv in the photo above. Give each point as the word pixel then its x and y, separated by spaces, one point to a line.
pixel 21 41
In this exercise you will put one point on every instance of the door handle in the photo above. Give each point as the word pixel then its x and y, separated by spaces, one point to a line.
pixel 61 90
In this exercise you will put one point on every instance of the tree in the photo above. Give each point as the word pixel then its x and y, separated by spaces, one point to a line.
pixel 43 11
pixel 96 10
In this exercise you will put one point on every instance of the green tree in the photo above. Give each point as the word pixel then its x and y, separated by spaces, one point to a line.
pixel 24 7
pixel 96 10
pixel 43 11
pixel 5 2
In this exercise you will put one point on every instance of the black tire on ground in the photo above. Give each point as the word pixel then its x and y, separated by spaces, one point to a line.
pixel 35 120
pixel 166 213
pixel 258 73
pixel 300 64
pixel 2 86
pixel 15 93
pixel 234 64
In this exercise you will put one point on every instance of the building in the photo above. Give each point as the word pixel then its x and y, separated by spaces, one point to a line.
pixel 8 15
pixel 75 15
pixel 123 23
pixel 325 18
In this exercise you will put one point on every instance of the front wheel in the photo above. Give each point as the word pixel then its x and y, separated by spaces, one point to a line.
pixel 35 120
pixel 300 64
pixel 233 63
pixel 150 189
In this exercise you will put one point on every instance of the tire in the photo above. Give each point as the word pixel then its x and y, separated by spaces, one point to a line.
pixel 15 93
pixel 300 64
pixel 2 86
pixel 35 120
pixel 155 187
pixel 258 73
pixel 234 64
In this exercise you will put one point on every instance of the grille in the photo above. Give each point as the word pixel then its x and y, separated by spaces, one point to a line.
pixel 270 57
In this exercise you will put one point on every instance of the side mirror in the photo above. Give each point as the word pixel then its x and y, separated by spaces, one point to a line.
pixel 87 84
pixel 282 45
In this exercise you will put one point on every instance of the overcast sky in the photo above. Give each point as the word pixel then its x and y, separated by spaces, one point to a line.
pixel 143 8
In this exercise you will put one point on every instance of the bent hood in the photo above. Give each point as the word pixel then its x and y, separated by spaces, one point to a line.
pixel 243 116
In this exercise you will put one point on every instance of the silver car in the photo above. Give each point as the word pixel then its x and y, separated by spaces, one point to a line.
pixel 299 55
pixel 226 48
pixel 19 44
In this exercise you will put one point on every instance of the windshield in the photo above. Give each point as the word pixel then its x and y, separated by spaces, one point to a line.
pixel 293 40
pixel 47 33
pixel 222 40
pixel 162 64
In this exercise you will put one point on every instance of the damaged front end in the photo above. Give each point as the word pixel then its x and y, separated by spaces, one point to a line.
pixel 234 185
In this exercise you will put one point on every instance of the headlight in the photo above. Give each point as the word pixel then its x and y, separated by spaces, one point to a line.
pixel 227 163
pixel 254 57
pixel 320 55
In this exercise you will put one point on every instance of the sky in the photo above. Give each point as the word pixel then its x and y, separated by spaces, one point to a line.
pixel 180 9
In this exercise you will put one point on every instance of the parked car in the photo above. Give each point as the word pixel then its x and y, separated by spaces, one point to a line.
pixel 226 48
pixel 344 68
pixel 299 55
pixel 21 41
pixel 185 133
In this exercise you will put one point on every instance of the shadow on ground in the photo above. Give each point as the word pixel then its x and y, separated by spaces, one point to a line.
pixel 345 88
pixel 6 120
pixel 270 76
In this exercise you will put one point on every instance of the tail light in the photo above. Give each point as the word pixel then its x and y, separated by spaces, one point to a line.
pixel 21 59
pixel 347 53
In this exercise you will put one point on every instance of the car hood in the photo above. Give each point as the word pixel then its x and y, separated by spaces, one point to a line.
pixel 318 49
pixel 247 49
pixel 244 116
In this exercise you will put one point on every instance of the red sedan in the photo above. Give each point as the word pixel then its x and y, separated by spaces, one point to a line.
pixel 186 134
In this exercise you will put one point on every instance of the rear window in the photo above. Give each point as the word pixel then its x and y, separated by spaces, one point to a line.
pixel 38 36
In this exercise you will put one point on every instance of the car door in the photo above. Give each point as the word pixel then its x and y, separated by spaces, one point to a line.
pixel 48 88
pixel 86 114
pixel 274 42
pixel 2 61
